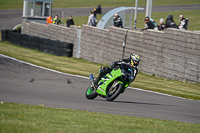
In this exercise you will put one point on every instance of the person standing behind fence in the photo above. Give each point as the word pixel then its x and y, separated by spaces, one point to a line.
pixel 183 24
pixel 148 24
pixel 170 22
pixel 117 21
pixel 49 20
pixel 92 20
pixel 162 25
pixel 70 21
pixel 56 20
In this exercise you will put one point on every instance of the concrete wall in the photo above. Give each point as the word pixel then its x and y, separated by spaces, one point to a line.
pixel 172 53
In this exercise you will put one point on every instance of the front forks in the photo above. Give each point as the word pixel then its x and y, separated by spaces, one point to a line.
pixel 91 76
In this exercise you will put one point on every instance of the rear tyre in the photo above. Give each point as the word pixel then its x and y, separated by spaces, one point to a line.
pixel 90 93
pixel 114 91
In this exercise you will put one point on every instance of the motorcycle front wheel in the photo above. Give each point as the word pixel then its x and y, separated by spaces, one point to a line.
pixel 90 93
pixel 114 91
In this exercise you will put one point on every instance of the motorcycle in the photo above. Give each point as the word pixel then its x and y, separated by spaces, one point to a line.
pixel 111 85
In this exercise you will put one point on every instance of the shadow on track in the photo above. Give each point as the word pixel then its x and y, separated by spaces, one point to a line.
pixel 141 103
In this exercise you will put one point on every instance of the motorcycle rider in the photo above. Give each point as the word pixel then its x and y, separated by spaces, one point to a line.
pixel 133 61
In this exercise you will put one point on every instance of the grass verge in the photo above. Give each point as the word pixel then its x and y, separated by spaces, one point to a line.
pixel 84 68
pixel 20 118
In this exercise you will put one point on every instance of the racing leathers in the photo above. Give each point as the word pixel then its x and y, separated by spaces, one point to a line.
pixel 116 65
pixel 118 22
pixel 183 24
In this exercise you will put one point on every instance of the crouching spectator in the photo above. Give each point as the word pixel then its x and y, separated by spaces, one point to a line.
pixel 162 25
pixel 148 24
pixel 117 21
pixel 184 23
pixel 56 20
pixel 69 21
pixel 170 23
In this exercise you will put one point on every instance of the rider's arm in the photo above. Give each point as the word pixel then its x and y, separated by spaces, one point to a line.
pixel 117 63
pixel 126 60
pixel 133 74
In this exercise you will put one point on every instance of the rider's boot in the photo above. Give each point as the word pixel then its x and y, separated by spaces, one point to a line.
pixel 102 73
pixel 96 81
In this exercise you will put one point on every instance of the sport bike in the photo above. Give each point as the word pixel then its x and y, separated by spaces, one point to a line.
pixel 112 84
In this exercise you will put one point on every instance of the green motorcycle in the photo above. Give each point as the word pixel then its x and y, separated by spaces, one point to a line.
pixel 111 85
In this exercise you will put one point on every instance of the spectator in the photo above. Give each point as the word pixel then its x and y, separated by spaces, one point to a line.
pixel 49 20
pixel 162 25
pixel 170 22
pixel 98 9
pixel 92 20
pixel 148 24
pixel 95 12
pixel 70 21
pixel 56 20
pixel 183 23
pixel 117 21
pixel 154 22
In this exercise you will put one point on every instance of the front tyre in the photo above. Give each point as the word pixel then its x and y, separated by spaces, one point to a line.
pixel 90 93
pixel 114 91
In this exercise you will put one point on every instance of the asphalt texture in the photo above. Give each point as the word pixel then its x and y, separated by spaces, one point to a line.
pixel 10 18
pixel 27 84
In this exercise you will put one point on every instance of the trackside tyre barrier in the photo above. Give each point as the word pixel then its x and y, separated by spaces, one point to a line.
pixel 68 49
pixel 42 44
pixel 4 35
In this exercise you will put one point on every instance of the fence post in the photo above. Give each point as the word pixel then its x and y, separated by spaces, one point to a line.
pixel 135 15
pixel 149 8
pixel 78 44
pixel 124 44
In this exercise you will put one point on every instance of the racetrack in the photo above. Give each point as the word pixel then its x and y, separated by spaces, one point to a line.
pixel 24 83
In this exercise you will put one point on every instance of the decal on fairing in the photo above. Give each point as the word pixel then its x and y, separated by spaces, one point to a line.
pixel 100 83
pixel 101 89
pixel 110 76
pixel 105 78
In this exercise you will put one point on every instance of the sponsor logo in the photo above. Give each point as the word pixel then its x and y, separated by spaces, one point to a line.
pixel 101 89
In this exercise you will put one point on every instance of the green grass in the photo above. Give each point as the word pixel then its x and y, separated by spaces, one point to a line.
pixel 18 4
pixel 20 118
pixel 143 81
pixel 193 16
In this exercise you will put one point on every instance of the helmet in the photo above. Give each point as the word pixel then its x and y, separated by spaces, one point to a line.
pixel 134 59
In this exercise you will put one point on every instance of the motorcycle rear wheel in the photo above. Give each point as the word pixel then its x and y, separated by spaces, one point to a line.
pixel 91 93
pixel 113 92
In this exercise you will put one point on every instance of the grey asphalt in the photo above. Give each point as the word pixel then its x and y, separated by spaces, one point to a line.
pixel 11 18
pixel 23 83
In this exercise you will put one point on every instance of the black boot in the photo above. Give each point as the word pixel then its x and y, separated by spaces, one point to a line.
pixel 102 73
pixel 96 81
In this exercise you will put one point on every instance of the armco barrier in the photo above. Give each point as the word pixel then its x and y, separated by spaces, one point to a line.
pixel 42 44
pixel 172 53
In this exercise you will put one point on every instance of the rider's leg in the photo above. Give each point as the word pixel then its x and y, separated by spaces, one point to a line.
pixel 102 73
